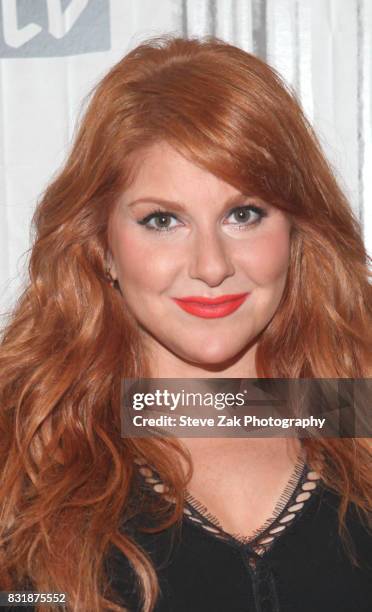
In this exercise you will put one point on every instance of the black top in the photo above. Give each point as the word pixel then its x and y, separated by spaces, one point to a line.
pixel 295 563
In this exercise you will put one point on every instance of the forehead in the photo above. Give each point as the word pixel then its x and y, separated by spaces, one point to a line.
pixel 159 170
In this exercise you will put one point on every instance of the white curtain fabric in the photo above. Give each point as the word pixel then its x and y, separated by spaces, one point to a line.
pixel 52 52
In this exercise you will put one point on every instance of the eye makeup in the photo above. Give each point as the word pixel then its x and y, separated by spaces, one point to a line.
pixel 258 213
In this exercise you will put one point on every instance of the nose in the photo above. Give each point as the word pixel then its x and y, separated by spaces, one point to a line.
pixel 210 260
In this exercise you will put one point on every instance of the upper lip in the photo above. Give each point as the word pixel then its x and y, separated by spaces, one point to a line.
pixel 206 300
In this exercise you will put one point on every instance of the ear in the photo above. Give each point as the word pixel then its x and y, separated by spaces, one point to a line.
pixel 111 266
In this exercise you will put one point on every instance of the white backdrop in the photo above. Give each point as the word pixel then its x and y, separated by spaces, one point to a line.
pixel 52 52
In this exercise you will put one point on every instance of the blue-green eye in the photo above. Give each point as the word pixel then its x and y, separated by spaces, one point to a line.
pixel 248 215
pixel 160 220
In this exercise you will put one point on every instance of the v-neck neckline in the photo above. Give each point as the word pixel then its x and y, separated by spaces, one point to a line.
pixel 292 501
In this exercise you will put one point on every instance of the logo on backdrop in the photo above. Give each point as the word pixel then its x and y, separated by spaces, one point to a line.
pixel 48 28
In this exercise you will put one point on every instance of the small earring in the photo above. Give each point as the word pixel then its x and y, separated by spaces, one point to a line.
pixel 109 277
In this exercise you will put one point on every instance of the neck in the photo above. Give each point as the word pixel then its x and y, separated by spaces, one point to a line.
pixel 165 364
pixel 240 454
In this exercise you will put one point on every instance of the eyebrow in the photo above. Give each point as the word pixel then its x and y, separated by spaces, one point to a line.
pixel 179 205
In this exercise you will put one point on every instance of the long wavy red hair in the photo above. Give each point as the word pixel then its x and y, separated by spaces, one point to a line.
pixel 67 475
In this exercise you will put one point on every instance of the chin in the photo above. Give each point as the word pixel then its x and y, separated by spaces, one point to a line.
pixel 212 356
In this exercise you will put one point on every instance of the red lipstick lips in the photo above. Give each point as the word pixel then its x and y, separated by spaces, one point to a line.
pixel 211 308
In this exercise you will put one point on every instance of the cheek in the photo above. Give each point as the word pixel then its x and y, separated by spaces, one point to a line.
pixel 139 263
pixel 267 259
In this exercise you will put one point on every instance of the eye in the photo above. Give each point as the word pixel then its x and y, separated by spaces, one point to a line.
pixel 161 221
pixel 247 215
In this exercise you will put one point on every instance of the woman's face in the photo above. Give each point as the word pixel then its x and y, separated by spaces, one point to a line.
pixel 206 239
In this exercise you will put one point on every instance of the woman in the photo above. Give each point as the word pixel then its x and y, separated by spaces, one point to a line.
pixel 194 175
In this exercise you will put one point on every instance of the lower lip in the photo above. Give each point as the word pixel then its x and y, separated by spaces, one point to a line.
pixel 211 311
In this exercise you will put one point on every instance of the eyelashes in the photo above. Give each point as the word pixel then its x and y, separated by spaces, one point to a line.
pixel 244 223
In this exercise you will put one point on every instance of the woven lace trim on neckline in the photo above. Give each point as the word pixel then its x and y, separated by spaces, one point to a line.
pixel 300 487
